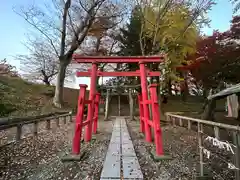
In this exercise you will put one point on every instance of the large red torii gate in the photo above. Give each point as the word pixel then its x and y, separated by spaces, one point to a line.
pixel 146 123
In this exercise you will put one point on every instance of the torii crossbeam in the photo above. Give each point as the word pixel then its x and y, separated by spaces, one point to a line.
pixel 117 74
pixel 117 59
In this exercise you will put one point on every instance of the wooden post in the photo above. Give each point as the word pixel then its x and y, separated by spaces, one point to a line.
pixel 35 128
pixel 35 133
pixel 236 141
pixel 19 132
pixel 64 120
pixel 131 105
pixel 95 123
pixel 189 124
pixel 107 105
pixel 70 117
pixel 119 105
pixel 57 122
pixel 48 124
pixel 180 122
pixel 174 121
pixel 200 145
pixel 216 132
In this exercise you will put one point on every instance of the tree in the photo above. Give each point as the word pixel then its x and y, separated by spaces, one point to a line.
pixel 236 4
pixel 164 26
pixel 76 19
pixel 40 64
pixel 174 28
pixel 217 59
pixel 7 70
pixel 129 44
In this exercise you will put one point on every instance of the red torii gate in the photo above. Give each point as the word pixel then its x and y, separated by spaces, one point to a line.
pixel 146 123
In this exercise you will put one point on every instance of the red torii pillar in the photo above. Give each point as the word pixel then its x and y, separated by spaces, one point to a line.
pixel 92 94
pixel 143 73
pixel 146 115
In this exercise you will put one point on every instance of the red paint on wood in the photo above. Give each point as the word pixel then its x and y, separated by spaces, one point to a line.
pixel 144 99
pixel 79 119
pixel 156 120
pixel 141 113
pixel 92 92
pixel 117 59
pixel 117 74
pixel 95 121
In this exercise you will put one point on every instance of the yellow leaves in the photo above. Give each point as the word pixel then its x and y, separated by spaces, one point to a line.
pixel 172 28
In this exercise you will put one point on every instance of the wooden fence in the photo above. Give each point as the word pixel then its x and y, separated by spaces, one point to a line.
pixel 18 123
pixel 227 151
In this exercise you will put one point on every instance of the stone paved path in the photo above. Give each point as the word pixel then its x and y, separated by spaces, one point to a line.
pixel 121 161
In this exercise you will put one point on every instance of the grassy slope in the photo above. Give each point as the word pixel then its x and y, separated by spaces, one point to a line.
pixel 21 98
pixel 18 97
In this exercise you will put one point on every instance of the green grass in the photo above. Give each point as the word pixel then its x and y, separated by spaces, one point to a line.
pixel 21 98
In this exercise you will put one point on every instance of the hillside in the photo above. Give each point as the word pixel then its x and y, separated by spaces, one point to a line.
pixel 20 98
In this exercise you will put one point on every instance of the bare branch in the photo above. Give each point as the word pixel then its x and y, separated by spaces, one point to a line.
pixel 26 18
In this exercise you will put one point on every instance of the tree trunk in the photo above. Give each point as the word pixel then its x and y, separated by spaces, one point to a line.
pixel 169 87
pixel 58 97
pixel 208 113
pixel 185 91
pixel 209 108
pixel 131 105
pixel 162 116
pixel 45 78
pixel 46 81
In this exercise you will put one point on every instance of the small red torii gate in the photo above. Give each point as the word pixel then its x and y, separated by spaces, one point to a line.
pixel 144 102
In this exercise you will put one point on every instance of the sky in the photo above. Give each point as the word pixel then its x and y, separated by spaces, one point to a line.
pixel 13 30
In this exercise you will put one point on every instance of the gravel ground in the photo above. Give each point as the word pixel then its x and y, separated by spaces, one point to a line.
pixel 40 158
pixel 183 163
pixel 181 145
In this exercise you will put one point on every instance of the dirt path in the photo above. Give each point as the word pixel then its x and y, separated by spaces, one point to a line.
pixel 40 159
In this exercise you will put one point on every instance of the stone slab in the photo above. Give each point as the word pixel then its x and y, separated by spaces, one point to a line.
pixel 114 149
pixel 116 133
pixel 125 134
pixel 121 147
pixel 116 140
pixel 128 150
pixel 111 167
pixel 126 140
pixel 131 168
